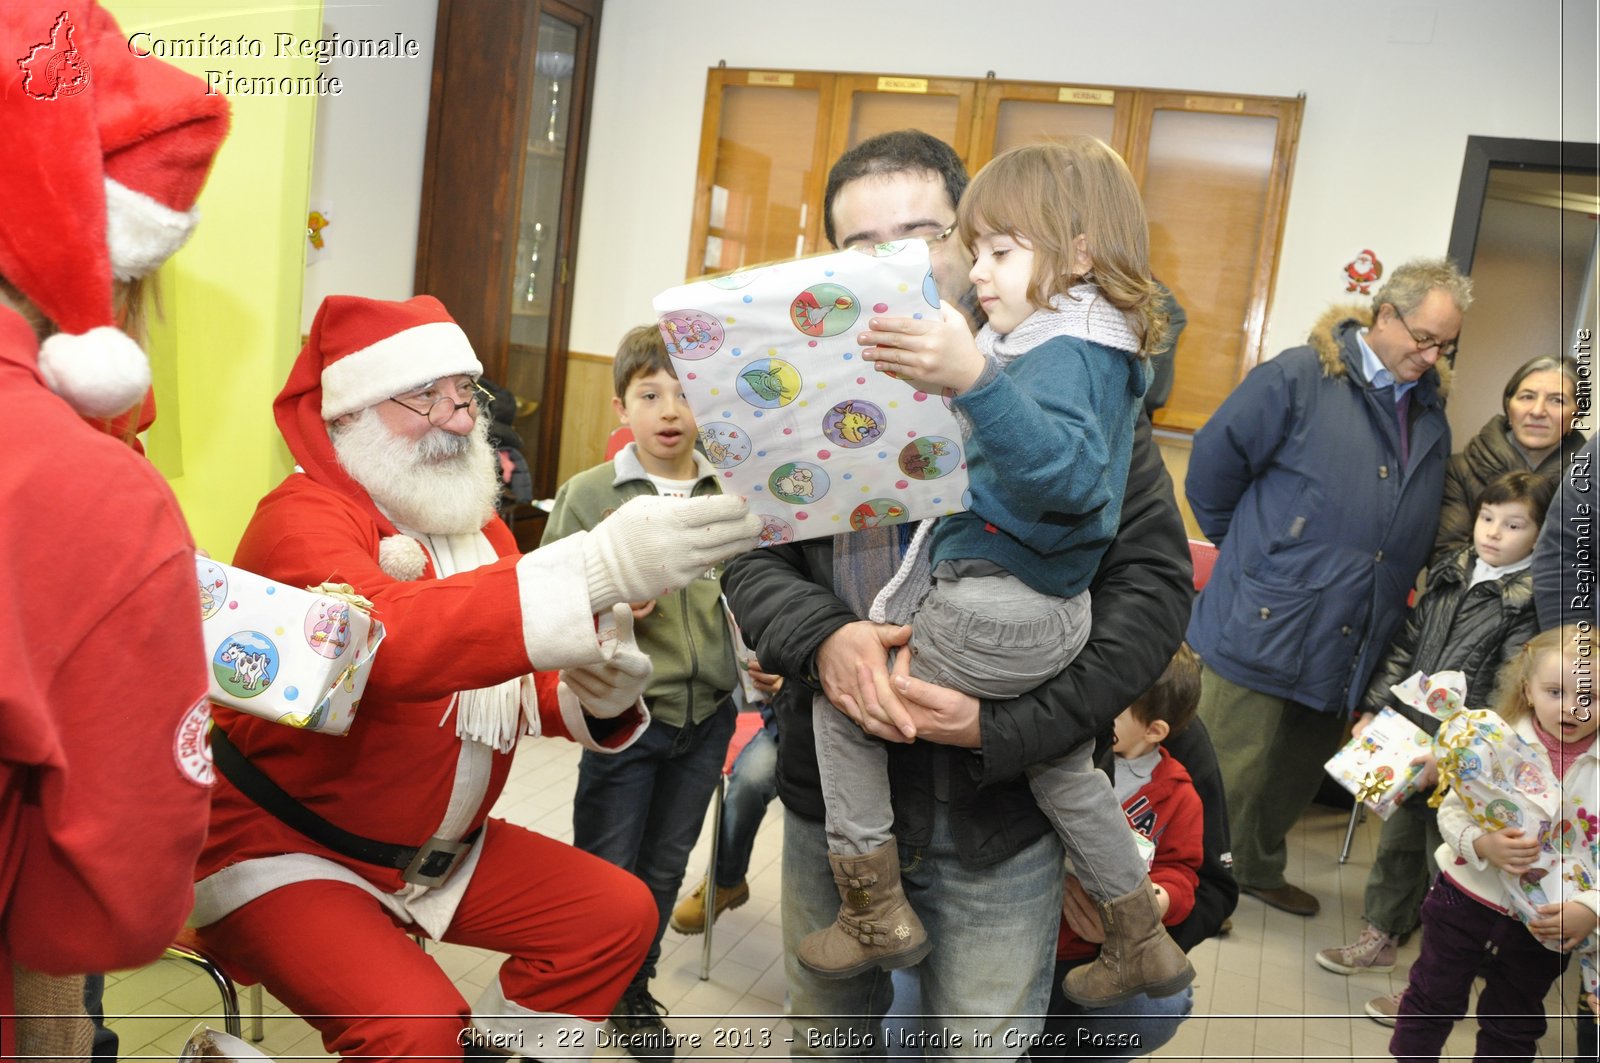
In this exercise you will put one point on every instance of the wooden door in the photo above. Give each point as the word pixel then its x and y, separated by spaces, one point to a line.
pixel 1214 172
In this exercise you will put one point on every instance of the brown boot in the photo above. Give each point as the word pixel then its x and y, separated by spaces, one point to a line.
pixel 1138 956
pixel 876 926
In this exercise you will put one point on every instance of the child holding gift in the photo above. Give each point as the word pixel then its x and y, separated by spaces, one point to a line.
pixel 1475 615
pixel 1546 698
pixel 642 808
pixel 1047 397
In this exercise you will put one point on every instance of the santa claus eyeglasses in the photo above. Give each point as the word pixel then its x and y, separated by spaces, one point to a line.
pixel 438 408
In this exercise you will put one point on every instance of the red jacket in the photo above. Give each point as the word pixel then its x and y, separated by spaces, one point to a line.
pixel 390 777
pixel 1167 810
pixel 104 770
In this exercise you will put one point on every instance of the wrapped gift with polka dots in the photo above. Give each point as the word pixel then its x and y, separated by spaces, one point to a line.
pixel 296 657
pixel 792 416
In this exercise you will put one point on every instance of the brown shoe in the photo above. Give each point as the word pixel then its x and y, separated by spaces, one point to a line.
pixel 876 926
pixel 1138 957
pixel 689 917
pixel 1285 898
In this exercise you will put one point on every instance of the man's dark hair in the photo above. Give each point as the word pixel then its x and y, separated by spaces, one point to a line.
pixel 903 151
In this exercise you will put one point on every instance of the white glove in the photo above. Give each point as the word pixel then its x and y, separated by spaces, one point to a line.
pixel 652 545
pixel 614 685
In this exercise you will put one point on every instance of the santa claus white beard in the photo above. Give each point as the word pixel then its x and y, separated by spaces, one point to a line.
pixel 440 484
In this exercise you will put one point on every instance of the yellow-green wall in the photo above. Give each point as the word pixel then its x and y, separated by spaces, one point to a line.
pixel 230 325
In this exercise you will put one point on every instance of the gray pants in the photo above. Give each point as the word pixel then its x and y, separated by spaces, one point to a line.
pixel 992 637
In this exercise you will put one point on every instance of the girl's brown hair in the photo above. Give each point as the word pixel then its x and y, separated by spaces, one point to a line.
pixel 1049 195
pixel 1572 641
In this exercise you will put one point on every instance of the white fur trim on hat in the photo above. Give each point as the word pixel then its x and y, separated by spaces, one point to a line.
pixel 142 233
pixel 401 558
pixel 395 365
pixel 100 373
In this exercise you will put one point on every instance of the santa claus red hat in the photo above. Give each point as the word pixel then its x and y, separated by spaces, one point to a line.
pixel 104 153
pixel 366 350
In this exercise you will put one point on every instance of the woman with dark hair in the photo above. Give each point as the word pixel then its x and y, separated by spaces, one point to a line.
pixel 1533 433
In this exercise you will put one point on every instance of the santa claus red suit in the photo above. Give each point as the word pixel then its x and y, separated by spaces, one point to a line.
pixel 316 916
pixel 104 770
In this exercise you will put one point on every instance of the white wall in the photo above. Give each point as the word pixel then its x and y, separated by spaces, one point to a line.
pixel 367 164
pixel 1393 90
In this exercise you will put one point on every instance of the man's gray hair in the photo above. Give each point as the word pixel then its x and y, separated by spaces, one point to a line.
pixel 1409 285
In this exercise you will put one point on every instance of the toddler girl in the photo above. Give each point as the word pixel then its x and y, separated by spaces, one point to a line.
pixel 1000 593
pixel 1546 695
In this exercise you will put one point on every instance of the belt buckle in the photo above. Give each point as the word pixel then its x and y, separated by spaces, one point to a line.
pixel 436 860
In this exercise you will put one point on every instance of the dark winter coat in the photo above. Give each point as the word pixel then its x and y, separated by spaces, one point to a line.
pixel 1564 556
pixel 784 601
pixel 1487 455
pixel 1322 532
pixel 1454 628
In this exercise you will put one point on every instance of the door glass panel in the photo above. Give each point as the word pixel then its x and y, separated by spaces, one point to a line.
pixel 539 254
pixel 764 150
pixel 1021 122
pixel 872 113
pixel 1206 189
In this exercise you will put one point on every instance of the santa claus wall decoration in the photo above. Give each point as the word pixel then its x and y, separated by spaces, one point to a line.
pixel 1362 272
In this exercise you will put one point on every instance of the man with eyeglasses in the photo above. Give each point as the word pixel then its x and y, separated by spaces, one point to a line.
pixel 325 852
pixel 1320 478
pixel 981 863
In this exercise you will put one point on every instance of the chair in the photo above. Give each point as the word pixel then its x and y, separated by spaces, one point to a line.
pixel 748 723
pixel 1204 557
pixel 620 437
pixel 186 947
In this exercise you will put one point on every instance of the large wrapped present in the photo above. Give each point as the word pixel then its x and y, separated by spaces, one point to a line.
pixel 790 413
pixel 296 657
pixel 1504 781
pixel 1376 766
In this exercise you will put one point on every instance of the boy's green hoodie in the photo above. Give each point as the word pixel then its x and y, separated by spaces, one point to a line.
pixel 686 636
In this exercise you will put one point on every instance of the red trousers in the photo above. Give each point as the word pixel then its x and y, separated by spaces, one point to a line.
pixel 576 929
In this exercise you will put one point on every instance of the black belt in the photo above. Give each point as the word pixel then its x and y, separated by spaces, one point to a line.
pixel 428 864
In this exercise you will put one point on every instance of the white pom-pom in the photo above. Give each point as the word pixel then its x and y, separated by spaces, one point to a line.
pixel 402 558
pixel 101 372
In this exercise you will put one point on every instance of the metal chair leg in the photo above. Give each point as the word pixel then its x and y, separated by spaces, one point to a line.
pixel 219 978
pixel 1357 814
pixel 711 875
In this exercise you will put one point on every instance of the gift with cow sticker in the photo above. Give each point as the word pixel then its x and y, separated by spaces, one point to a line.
pixel 299 657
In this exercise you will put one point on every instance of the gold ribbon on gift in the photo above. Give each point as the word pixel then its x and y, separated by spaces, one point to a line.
pixel 1372 788
pixel 1450 743
pixel 345 593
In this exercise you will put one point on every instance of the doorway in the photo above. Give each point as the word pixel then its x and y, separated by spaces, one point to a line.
pixel 1527 229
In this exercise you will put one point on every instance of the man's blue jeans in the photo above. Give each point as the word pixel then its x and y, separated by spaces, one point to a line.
pixel 642 808
pixel 752 785
pixel 988 976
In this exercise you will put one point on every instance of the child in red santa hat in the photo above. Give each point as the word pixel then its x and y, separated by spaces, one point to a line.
pixel 103 764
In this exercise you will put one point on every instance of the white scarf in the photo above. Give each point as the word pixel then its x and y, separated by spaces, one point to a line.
pixel 491 715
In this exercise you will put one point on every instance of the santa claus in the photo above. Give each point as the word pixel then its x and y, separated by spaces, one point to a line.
pixel 325 852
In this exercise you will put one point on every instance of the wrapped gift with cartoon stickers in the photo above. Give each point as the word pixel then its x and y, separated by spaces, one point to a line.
pixel 296 657
pixel 790 413
pixel 1504 781
pixel 1377 765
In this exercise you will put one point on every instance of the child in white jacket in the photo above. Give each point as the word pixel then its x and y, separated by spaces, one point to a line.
pixel 1546 695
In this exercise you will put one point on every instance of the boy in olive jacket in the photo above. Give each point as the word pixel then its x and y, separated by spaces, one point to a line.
pixel 642 808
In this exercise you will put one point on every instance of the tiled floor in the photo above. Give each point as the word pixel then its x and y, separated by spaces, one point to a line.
pixel 1258 995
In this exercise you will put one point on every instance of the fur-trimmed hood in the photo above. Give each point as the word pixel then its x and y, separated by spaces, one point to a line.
pixel 1325 335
